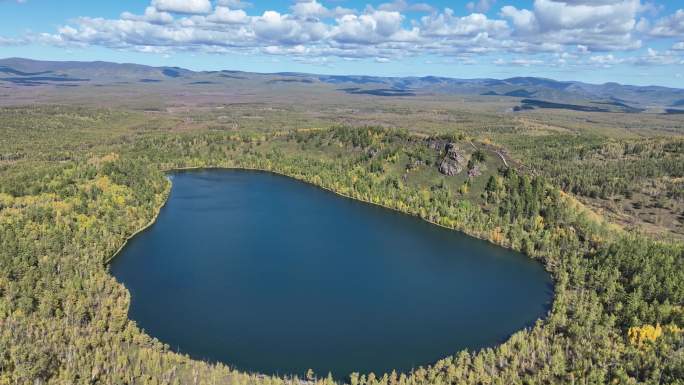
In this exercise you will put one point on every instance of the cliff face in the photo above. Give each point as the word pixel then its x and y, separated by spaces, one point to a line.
pixel 454 160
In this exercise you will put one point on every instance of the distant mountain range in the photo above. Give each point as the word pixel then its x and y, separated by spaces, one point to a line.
pixel 533 92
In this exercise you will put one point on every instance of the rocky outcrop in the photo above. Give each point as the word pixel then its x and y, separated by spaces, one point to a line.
pixel 454 160
pixel 436 144
pixel 475 171
pixel 449 168
pixel 454 153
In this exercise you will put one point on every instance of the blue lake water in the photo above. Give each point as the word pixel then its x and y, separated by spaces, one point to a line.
pixel 269 274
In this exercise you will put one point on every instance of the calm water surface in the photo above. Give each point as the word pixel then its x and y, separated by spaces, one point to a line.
pixel 269 274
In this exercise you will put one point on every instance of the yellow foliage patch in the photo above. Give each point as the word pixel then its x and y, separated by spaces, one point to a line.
pixel 6 200
pixel 111 157
pixel 103 183
pixel 84 221
pixel 638 335
pixel 496 236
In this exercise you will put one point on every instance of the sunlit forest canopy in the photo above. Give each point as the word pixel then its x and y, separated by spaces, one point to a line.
pixel 75 182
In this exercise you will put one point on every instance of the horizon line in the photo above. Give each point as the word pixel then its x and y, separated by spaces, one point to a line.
pixel 338 74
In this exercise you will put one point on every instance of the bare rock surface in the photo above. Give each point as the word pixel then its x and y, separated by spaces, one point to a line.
pixel 454 160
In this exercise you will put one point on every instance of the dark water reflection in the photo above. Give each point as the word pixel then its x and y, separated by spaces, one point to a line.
pixel 273 275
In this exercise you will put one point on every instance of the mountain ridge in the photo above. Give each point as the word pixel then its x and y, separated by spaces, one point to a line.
pixel 22 72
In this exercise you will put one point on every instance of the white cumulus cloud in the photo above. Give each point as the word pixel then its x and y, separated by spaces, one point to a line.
pixel 601 25
pixel 151 15
pixel 670 26
pixel 549 32
pixel 183 6
pixel 228 16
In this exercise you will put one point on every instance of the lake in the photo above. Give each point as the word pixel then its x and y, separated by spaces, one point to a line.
pixel 270 274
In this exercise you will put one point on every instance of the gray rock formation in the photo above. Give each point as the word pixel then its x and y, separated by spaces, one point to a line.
pixel 449 167
pixel 475 171
pixel 454 160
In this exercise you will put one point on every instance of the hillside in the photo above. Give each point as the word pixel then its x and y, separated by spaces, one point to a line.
pixel 76 182
pixel 608 97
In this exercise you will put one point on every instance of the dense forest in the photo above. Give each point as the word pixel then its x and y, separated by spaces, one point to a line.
pixel 643 176
pixel 75 183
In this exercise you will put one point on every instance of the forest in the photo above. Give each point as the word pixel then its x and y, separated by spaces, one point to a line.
pixel 77 182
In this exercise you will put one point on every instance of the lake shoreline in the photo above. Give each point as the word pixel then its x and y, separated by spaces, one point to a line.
pixel 171 182
pixel 157 211
pixel 470 234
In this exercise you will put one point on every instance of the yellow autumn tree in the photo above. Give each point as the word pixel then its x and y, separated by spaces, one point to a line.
pixel 638 335
pixel 496 236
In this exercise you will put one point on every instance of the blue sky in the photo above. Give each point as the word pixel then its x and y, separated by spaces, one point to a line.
pixel 627 41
